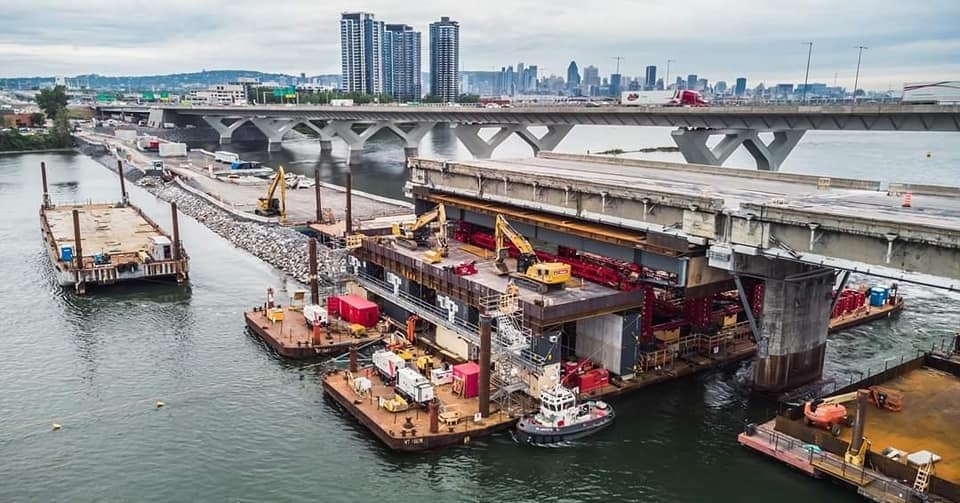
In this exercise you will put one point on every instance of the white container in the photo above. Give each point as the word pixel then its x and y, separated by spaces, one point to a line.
pixel 313 312
pixel 441 376
pixel 387 363
pixel 414 386
pixel 168 149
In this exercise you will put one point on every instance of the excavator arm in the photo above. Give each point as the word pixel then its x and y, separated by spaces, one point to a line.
pixel 266 205
pixel 504 229
pixel 407 233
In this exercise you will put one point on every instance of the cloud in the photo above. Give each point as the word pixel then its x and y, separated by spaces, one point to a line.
pixel 717 40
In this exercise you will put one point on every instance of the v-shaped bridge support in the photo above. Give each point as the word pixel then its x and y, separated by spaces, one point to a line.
pixel 469 135
pixel 769 156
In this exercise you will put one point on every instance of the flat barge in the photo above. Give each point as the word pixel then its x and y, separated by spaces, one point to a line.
pixel 101 244
pixel 292 338
pixel 410 431
pixel 852 308
pixel 909 454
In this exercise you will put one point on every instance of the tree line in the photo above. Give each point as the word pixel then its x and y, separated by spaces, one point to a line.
pixel 53 102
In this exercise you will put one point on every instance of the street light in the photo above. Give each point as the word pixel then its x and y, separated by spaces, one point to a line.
pixel 806 75
pixel 856 79
pixel 666 80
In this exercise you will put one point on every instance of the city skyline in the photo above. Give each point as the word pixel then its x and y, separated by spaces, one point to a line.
pixel 759 42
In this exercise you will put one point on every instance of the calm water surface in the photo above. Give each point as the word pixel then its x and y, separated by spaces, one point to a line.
pixel 242 425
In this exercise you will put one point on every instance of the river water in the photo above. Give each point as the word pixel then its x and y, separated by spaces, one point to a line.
pixel 242 425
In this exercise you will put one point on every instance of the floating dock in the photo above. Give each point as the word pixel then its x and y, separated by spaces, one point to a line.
pixel 107 243
pixel 900 444
pixel 866 315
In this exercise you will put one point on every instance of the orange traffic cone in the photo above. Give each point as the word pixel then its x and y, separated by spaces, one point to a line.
pixel 907 199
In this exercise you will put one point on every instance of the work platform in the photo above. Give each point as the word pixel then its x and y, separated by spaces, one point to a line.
pixel 837 222
pixel 102 244
pixel 577 301
pixel 930 388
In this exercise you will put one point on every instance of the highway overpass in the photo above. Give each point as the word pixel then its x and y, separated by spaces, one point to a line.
pixel 795 232
pixel 739 125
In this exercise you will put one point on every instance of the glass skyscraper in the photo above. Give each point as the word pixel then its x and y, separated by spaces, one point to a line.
pixel 361 53
pixel 401 62
pixel 444 59
pixel 650 82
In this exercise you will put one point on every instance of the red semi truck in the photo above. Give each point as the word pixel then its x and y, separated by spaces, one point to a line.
pixel 678 98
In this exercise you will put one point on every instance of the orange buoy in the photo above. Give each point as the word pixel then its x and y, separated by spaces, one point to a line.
pixel 907 199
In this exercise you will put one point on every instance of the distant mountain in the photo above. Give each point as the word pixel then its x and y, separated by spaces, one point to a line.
pixel 161 82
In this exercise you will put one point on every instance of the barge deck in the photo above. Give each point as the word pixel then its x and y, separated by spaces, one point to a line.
pixel 292 338
pixel 930 388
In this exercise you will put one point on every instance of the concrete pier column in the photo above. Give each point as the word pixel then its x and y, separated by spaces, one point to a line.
pixel 326 146
pixel 346 131
pixel 769 156
pixel 483 393
pixel 225 131
pixel 549 141
pixel 411 136
pixel 793 325
pixel 469 135
pixel 409 152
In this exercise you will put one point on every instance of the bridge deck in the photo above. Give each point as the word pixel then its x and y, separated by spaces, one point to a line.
pixel 739 187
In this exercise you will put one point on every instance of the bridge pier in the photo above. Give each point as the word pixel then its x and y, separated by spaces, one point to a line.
pixel 769 156
pixel 346 131
pixel 274 130
pixel 158 116
pixel 469 135
pixel 225 131
pixel 795 313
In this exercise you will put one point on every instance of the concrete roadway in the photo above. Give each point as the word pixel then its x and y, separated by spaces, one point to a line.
pixel 929 210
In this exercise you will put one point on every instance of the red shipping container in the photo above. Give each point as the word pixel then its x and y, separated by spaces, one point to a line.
pixel 593 379
pixel 469 373
pixel 333 306
pixel 355 309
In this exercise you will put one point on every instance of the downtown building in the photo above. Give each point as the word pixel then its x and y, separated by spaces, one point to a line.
pixel 361 53
pixel 401 62
pixel 445 59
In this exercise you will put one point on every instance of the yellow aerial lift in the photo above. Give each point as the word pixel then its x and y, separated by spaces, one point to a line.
pixel 271 206
pixel 414 234
pixel 530 270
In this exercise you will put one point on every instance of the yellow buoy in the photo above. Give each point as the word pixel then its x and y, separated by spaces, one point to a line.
pixel 466 439
pixel 160 404
pixel 57 426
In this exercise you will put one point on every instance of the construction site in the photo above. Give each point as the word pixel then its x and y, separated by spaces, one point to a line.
pixel 99 244
pixel 891 436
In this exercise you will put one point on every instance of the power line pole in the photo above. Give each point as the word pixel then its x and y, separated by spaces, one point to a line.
pixel 806 75
pixel 856 79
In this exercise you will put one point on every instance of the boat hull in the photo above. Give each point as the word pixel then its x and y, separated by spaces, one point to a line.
pixel 528 432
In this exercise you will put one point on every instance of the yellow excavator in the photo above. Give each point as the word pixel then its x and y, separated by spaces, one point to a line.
pixel 530 270
pixel 270 206
pixel 412 235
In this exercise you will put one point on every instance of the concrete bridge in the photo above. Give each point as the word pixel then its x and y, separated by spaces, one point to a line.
pixel 694 126
pixel 797 233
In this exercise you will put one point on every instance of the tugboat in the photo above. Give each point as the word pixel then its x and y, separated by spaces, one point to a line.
pixel 561 419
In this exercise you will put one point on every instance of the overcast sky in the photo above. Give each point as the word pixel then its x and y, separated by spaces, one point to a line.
pixel 717 39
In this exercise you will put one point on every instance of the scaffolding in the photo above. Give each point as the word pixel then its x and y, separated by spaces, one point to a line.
pixel 333 258
pixel 514 360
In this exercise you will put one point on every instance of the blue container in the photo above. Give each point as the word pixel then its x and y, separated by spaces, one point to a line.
pixel 66 253
pixel 877 296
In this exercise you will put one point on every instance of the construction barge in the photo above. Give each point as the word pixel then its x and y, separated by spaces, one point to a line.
pixel 98 244
pixel 902 444
pixel 862 305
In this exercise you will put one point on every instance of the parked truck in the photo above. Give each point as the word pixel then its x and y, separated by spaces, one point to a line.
pixel 387 364
pixel 314 312
pixel 932 93
pixel 680 97
pixel 413 386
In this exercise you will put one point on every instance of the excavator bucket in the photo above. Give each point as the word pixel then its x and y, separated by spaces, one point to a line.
pixel 502 268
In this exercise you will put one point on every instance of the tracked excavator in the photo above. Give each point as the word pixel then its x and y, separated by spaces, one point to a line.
pixel 412 235
pixel 270 206
pixel 542 276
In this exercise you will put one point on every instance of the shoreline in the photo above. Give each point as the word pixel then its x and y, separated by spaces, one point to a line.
pixel 38 151
pixel 283 248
